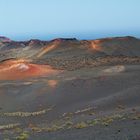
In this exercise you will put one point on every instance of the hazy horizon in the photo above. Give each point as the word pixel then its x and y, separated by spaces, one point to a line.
pixel 89 19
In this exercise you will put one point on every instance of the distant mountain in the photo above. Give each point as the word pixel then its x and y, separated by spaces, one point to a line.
pixel 128 46
pixel 4 39
pixel 65 53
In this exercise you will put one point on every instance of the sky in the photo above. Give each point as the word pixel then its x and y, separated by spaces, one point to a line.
pixel 82 19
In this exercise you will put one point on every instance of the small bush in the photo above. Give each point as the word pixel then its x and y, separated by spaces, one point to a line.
pixel 23 136
pixel 80 125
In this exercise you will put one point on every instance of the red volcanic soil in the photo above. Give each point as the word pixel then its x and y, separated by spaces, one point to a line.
pixel 22 69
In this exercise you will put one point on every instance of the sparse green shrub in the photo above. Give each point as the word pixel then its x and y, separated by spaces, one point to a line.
pixel 23 136
pixel 80 125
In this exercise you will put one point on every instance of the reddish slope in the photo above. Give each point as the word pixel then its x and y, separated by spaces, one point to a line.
pixel 22 69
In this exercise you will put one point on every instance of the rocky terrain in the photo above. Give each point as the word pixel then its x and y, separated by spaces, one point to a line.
pixel 72 53
pixel 67 89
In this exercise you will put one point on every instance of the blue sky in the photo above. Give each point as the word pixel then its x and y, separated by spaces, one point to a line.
pixel 83 19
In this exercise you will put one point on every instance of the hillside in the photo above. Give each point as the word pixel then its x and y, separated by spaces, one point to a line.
pixel 67 89
pixel 72 53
